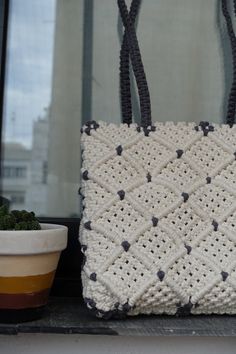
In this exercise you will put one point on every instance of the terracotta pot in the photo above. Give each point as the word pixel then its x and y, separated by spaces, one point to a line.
pixel 28 262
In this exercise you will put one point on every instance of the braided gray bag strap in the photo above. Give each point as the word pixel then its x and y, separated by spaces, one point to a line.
pixel 137 64
pixel 131 39
pixel 231 107
pixel 125 89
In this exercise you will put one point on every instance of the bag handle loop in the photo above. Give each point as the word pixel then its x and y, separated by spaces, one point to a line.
pixel 130 47
pixel 125 90
pixel 231 106
pixel 137 64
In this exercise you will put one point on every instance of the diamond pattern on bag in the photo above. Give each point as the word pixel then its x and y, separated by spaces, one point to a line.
pixel 177 134
pixel 228 175
pixel 217 247
pixel 157 296
pixel 117 171
pixel 96 255
pixel 213 200
pixel 190 275
pixel 156 245
pixel 95 200
pixel 154 197
pixel 127 273
pixel 230 224
pixel 220 299
pixel 163 219
pixel 96 290
pixel 95 151
pixel 188 225
pixel 122 219
pixel 149 153
pixel 118 134
pixel 206 154
pixel 179 173
pixel 226 134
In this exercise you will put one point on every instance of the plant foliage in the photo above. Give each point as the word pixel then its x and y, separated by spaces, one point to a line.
pixel 18 220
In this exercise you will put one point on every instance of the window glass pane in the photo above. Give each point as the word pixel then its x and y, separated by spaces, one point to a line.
pixel 42 98
pixel 183 49
pixel 63 69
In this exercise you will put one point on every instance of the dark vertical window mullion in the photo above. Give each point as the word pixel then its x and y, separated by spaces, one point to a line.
pixel 87 64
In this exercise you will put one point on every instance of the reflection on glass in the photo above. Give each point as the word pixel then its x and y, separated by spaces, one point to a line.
pixel 27 103
pixel 42 110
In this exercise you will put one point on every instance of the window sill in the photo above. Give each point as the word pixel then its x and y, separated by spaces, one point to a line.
pixel 68 316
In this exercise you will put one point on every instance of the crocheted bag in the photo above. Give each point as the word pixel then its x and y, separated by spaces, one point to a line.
pixel 159 218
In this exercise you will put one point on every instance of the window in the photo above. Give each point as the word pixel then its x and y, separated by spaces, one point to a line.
pixel 14 172
pixel 62 69
pixel 18 199
pixel 45 172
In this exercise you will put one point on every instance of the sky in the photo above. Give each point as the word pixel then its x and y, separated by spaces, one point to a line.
pixel 29 67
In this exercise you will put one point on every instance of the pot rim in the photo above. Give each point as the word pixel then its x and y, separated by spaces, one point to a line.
pixel 51 238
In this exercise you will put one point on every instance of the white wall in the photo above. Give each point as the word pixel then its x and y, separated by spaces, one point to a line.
pixel 71 344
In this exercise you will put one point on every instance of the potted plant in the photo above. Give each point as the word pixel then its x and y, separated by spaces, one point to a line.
pixel 29 254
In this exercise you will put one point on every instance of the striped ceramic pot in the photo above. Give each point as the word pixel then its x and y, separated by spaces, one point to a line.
pixel 28 262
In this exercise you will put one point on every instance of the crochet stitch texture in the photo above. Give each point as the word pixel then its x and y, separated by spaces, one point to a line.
pixel 158 230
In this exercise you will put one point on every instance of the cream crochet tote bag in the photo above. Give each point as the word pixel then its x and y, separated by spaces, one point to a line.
pixel 158 230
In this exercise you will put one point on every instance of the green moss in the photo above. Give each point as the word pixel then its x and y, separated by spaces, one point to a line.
pixel 18 220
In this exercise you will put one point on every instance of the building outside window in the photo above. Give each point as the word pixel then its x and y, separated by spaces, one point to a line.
pixel 14 172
